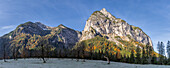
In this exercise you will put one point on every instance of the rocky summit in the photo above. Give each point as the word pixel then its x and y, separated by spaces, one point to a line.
pixel 104 24
pixel 101 24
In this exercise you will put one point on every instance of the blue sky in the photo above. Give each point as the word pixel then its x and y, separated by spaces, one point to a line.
pixel 152 16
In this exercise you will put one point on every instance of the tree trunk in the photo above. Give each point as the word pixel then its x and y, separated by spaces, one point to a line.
pixel 108 61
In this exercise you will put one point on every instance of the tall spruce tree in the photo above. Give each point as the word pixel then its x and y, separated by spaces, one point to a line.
pixel 161 51
pixel 168 50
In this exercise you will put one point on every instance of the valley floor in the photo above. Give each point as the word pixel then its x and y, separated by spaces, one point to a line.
pixel 69 63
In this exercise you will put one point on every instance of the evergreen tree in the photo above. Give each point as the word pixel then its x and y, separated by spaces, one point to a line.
pixel 144 59
pixel 147 51
pixel 4 50
pixel 124 58
pixel 102 55
pixel 132 56
pixel 127 59
pixel 83 44
pixel 138 59
pixel 161 51
pixel 151 51
pixel 91 51
pixel 78 52
pixel 168 50
pixel 99 55
pixel 154 60
pixel 59 53
pixel 83 52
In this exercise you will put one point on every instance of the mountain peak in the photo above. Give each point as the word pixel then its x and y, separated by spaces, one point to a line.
pixel 103 10
pixel 62 26
pixel 42 26
pixel 107 14
pixel 38 23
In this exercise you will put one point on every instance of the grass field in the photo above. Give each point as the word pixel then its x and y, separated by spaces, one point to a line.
pixel 69 63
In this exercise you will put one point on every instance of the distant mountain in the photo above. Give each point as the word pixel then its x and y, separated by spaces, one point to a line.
pixel 28 35
pixel 101 30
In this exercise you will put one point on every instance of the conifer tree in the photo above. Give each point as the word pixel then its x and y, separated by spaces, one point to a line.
pixel 147 51
pixel 78 52
pixel 83 44
pixel 168 50
pixel 154 61
pixel 132 56
pixel 144 59
pixel 91 51
pixel 4 49
pixel 161 51
pixel 138 59
pixel 151 53
pixel 99 55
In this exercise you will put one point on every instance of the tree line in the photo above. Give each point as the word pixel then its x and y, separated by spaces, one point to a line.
pixel 138 55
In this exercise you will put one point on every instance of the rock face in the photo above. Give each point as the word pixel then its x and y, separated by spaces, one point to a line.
pixel 104 24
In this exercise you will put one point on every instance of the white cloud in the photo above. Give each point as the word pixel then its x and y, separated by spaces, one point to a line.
pixel 7 27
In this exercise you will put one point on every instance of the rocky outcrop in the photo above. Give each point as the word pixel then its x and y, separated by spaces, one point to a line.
pixel 104 24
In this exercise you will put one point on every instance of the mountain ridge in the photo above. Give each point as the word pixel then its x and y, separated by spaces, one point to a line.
pixel 100 24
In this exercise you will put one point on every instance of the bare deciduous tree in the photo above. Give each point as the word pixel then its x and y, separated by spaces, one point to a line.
pixel 42 53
